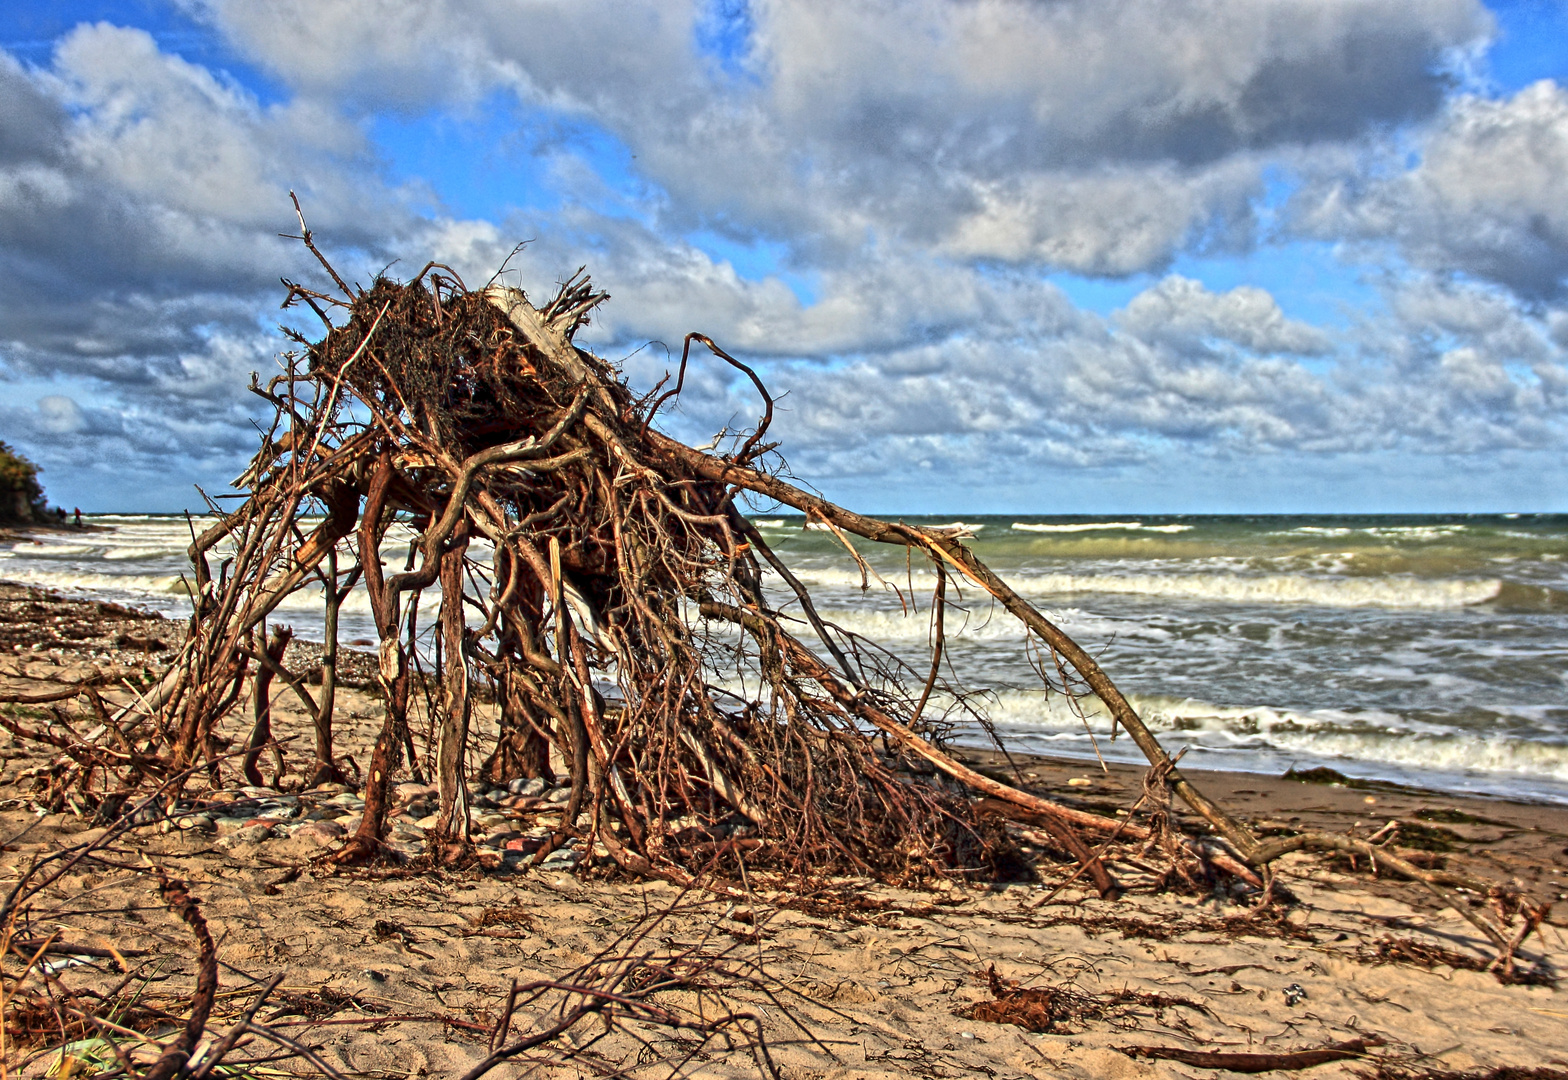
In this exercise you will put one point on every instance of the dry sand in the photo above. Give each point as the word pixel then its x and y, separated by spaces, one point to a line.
pixel 881 985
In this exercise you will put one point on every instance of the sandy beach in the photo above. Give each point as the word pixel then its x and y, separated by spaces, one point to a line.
pixel 395 973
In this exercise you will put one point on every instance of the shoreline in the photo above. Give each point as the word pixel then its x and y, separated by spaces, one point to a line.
pixel 355 660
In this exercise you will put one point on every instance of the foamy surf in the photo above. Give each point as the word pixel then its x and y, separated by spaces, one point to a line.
pixel 1333 592
pixel 1372 743
pixel 1418 649
pixel 1343 592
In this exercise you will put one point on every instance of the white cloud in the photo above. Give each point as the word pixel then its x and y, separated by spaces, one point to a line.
pixel 1488 197
pixel 60 415
pixel 921 164
pixel 1093 135
pixel 1181 312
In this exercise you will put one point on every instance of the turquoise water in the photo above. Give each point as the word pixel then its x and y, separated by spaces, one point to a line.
pixel 1425 649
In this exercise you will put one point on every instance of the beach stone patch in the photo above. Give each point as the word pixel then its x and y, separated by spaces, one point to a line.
pixel 320 833
pixel 278 813
pixel 248 834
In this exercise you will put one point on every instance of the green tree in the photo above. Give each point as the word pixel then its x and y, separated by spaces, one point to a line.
pixel 21 495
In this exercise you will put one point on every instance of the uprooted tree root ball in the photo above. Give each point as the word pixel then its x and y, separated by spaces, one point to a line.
pixel 598 581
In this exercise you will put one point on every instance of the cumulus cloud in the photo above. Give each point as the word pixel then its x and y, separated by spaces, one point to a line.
pixel 1487 197
pixel 1181 312
pixel 919 165
pixel 1090 136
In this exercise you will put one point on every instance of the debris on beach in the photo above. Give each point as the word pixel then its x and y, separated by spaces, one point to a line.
pixel 703 727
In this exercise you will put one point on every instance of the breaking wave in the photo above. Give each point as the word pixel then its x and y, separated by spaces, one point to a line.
pixel 1320 591
pixel 1100 526
pixel 1369 743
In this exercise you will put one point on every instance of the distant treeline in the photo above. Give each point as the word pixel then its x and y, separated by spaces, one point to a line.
pixel 21 495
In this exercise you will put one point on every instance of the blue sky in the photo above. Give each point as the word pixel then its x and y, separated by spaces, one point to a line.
pixel 999 255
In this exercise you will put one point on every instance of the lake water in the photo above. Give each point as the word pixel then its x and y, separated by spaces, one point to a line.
pixel 1425 649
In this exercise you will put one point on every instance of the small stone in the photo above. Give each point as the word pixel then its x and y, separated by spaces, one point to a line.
pixel 562 859
pixel 278 813
pixel 428 821
pixel 251 834
pixel 558 795
pixel 528 788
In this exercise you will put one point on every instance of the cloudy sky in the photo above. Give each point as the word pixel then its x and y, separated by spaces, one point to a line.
pixel 1046 256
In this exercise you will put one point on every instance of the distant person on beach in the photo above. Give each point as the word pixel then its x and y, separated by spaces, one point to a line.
pixel 61 511
pixel 78 510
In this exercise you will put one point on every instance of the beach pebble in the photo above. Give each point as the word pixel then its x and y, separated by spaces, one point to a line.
pixel 347 799
pixel 561 859
pixel 198 822
pixel 229 824
pixel 250 834
pixel 1077 781
pixel 558 795
pixel 428 821
pixel 528 788
pixel 278 813
pixel 327 830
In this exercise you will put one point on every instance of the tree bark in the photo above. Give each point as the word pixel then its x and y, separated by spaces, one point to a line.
pixel 454 822
pixel 261 730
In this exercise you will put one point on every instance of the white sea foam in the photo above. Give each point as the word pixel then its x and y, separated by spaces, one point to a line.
pixel 151 586
pixel 1383 743
pixel 1096 526
pixel 893 626
pixel 1321 591
pixel 1343 592
pixel 770 523
pixel 145 552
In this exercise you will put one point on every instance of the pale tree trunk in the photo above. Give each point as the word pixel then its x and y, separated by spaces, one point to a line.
pixel 453 826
